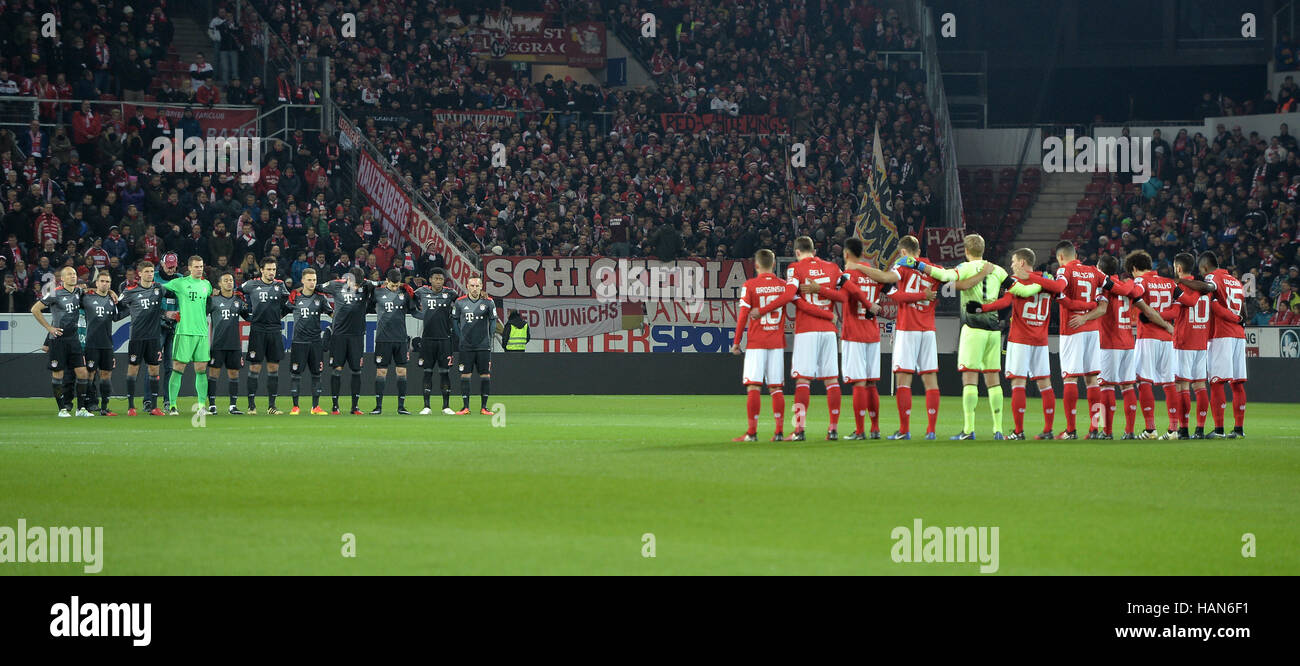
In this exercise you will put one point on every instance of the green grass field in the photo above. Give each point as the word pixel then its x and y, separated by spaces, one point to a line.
pixel 569 484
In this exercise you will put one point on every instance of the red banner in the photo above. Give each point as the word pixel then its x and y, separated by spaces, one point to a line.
pixel 400 219
pixel 945 245
pixel 577 45
pixel 215 122
pixel 692 123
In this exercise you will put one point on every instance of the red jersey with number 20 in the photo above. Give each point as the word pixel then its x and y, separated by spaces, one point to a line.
pixel 768 331
pixel 1029 316
pixel 822 272
pixel 914 314
pixel 1228 293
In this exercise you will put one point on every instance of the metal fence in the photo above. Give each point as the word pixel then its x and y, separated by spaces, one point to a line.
pixel 953 215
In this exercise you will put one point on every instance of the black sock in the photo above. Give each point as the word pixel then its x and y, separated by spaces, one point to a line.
pixel 356 389
pixel 315 390
pixel 92 394
pixel 336 383
pixel 130 392
pixel 464 392
pixel 295 381
pixel 401 391
pixel 212 390
pixel 272 388
pixel 428 387
pixel 484 388
pixel 381 385
pixel 151 392
pixel 105 391
pixel 252 390
pixel 233 385
pixel 83 390
pixel 56 385
pixel 446 389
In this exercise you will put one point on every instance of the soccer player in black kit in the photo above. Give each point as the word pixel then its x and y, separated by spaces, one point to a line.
pixel 474 317
pixel 225 308
pixel 434 303
pixel 352 294
pixel 65 348
pixel 143 302
pixel 266 298
pixel 307 351
pixel 100 309
pixel 393 301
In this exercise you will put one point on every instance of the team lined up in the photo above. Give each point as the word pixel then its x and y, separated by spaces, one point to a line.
pixel 207 325
pixel 1123 330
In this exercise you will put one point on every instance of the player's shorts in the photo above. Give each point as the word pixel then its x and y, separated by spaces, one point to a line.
pixel 475 359
pixel 66 353
pixel 1118 366
pixel 764 367
pixel 347 349
pixel 392 352
pixel 815 356
pixel 1227 358
pixel 101 358
pixel 436 353
pixel 861 361
pixel 190 349
pixel 230 359
pixel 979 350
pixel 1156 360
pixel 265 347
pixel 308 356
pixel 1081 354
pixel 1193 365
pixel 1028 361
pixel 148 352
pixel 915 352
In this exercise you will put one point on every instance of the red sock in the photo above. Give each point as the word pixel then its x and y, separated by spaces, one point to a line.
pixel 1049 408
pixel 1130 409
pixel 859 406
pixel 1108 408
pixel 1172 404
pixel 1095 406
pixel 1018 407
pixel 1185 409
pixel 833 399
pixel 778 407
pixel 873 405
pixel 1147 398
pixel 1239 403
pixel 1217 400
pixel 932 408
pixel 1202 404
pixel 801 398
pixel 904 399
pixel 753 402
pixel 1070 402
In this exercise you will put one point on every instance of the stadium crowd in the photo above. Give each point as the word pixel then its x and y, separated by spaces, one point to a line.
pixel 1233 194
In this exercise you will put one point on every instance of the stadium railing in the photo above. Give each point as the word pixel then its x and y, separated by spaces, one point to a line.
pixel 953 215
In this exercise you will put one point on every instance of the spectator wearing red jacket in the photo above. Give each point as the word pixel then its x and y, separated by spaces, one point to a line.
pixel 86 127
pixel 384 253
pixel 207 94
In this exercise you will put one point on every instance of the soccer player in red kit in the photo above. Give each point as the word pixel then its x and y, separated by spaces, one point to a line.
pixel 765 353
pixel 1191 340
pixel 1118 355
pixel 1157 363
pixel 915 349
pixel 860 346
pixel 1027 350
pixel 1082 303
pixel 1227 346
pixel 815 355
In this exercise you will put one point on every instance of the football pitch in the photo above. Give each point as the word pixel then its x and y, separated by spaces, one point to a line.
pixel 574 484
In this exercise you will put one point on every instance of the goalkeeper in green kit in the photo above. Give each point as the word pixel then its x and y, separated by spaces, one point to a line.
pixel 979 351
pixel 190 344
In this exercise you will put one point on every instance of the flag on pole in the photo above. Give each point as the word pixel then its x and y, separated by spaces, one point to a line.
pixel 874 222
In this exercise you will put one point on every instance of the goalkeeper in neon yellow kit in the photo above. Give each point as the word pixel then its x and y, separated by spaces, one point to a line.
pixel 191 342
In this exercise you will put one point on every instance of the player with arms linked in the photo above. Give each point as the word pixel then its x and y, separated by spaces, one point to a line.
pixel 1027 350
pixel 266 297
pixel 473 317
pixel 434 304
pixel 307 351
pixel 352 295
pixel 765 353
pixel 190 339
pixel 100 309
pixel 66 352
pixel 1227 345
pixel 226 307
pixel 142 301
